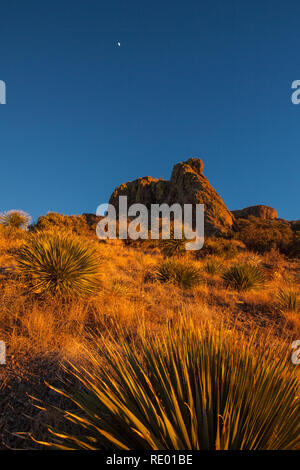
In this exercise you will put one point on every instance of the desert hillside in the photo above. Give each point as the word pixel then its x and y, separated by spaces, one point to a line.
pixel 126 292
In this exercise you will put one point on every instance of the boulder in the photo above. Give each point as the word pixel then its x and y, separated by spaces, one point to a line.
pixel 145 190
pixel 261 211
pixel 187 185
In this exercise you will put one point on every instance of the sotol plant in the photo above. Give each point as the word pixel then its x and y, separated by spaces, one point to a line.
pixel 15 219
pixel 189 389
pixel 181 273
pixel 213 266
pixel 288 300
pixel 58 264
pixel 174 246
pixel 244 276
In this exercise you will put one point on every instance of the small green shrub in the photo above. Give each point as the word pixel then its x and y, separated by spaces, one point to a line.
pixel 191 389
pixel 288 300
pixel 244 276
pixel 182 274
pixel 15 219
pixel 59 265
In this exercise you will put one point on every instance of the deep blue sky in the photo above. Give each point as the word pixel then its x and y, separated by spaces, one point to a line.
pixel 191 78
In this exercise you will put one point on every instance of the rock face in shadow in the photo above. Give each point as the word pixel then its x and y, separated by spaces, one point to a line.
pixel 145 190
pixel 187 185
pixel 261 211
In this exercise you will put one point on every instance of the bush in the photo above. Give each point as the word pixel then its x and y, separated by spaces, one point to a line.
pixel 9 237
pixel 192 389
pixel 244 276
pixel 261 235
pixel 64 223
pixel 58 265
pixel 293 248
pixel 213 266
pixel 288 300
pixel 183 274
pixel 251 258
pixel 15 219
pixel 118 288
pixel 174 246
pixel 221 247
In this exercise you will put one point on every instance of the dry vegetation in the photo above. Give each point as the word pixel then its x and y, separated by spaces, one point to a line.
pixel 44 332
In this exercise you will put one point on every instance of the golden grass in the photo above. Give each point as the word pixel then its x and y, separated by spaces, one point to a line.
pixel 36 329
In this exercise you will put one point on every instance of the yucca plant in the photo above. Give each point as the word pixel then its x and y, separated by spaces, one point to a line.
pixel 59 265
pixel 189 389
pixel 15 219
pixel 288 300
pixel 174 246
pixel 213 266
pixel 244 276
pixel 181 273
pixel 118 288
pixel 251 258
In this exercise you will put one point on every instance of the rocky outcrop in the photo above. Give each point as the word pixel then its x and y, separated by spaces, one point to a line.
pixel 145 190
pixel 187 185
pixel 261 211
pixel 295 224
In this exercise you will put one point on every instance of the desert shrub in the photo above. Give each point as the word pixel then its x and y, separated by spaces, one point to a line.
pixel 293 249
pixel 59 265
pixel 9 237
pixel 180 273
pixel 118 288
pixel 288 300
pixel 171 246
pixel 193 388
pixel 295 225
pixel 221 247
pixel 213 266
pixel 251 258
pixel 261 235
pixel 244 276
pixel 15 219
pixel 174 246
pixel 63 223
pixel 274 261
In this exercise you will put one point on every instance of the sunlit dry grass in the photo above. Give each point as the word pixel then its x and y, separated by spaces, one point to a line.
pixel 130 296
pixel 186 388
